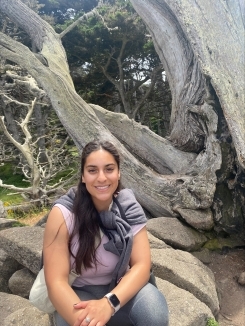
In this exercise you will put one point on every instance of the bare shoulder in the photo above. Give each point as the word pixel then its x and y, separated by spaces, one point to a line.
pixel 55 227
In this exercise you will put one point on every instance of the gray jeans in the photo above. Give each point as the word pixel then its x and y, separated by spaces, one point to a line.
pixel 147 307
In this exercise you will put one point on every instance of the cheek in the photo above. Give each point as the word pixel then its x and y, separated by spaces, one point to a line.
pixel 116 177
pixel 87 178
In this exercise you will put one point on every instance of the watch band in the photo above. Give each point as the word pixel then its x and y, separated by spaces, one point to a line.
pixel 113 301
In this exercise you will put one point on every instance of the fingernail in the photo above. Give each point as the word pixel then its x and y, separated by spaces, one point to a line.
pixel 75 304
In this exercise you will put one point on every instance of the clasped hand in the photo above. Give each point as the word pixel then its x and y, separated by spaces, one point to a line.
pixel 93 312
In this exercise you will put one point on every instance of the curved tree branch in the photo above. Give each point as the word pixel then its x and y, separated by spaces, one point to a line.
pixel 160 194
pixel 188 54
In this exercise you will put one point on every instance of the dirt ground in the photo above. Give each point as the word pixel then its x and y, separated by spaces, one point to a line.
pixel 227 265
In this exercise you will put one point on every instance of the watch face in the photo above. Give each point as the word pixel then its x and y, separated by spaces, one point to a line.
pixel 114 300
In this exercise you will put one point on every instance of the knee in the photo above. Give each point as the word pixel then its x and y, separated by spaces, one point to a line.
pixel 160 319
pixel 152 307
pixel 159 315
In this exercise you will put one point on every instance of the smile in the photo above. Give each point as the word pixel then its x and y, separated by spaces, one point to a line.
pixel 102 187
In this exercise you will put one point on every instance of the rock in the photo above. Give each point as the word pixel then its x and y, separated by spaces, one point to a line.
pixel 21 281
pixel 188 273
pixel 241 279
pixel 42 221
pixel 231 241
pixel 184 308
pixel 7 223
pixel 175 233
pixel 28 316
pixel 9 303
pixel 4 285
pixel 156 243
pixel 200 219
pixel 8 266
pixel 192 291
pixel 3 212
pixel 203 255
pixel 24 244
pixel 19 311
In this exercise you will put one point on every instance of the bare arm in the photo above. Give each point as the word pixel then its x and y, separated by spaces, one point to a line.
pixel 57 266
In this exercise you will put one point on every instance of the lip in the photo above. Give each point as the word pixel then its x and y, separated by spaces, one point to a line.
pixel 102 188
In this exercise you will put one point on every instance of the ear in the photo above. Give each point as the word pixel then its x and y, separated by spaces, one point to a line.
pixel 83 179
pixel 119 175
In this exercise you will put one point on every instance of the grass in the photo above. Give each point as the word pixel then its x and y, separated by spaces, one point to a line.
pixel 212 322
pixel 10 198
pixel 10 176
pixel 31 218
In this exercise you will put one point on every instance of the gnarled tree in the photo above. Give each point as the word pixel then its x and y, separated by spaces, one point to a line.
pixel 200 44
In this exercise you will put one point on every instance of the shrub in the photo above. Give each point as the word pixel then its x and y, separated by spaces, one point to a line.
pixel 212 322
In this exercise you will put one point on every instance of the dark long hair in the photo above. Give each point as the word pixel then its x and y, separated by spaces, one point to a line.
pixel 86 220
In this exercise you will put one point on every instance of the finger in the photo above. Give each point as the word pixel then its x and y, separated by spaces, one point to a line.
pixel 80 320
pixel 87 321
pixel 81 305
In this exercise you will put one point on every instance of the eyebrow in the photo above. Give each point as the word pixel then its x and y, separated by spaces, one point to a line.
pixel 95 166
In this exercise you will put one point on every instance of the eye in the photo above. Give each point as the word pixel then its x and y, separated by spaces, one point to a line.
pixel 109 169
pixel 92 170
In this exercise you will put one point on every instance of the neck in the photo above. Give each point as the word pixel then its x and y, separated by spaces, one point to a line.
pixel 105 206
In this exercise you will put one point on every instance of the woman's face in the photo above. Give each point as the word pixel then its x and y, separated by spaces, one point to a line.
pixel 101 177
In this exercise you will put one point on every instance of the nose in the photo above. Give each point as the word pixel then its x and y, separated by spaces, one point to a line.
pixel 101 176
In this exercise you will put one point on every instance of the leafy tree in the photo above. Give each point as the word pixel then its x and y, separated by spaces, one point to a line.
pixel 120 65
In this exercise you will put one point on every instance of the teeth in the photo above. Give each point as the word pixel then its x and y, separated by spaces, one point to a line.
pixel 104 187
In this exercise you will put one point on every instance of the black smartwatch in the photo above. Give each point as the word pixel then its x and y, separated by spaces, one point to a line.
pixel 113 301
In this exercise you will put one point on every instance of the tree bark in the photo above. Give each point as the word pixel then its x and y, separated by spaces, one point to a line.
pixel 197 40
pixel 201 74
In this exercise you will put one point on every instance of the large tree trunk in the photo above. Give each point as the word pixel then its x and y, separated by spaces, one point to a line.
pixel 200 45
pixel 200 42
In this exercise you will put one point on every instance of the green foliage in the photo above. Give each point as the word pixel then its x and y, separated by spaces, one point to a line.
pixel 95 46
pixel 18 224
pixel 9 198
pixel 9 175
pixel 62 10
pixel 212 322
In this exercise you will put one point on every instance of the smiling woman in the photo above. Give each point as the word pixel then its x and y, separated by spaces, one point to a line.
pixel 85 231
pixel 101 176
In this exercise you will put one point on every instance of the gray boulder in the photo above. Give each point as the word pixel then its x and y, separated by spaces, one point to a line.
pixel 184 308
pixel 10 303
pixel 28 316
pixel 21 281
pixel 6 223
pixel 241 279
pixel 188 273
pixel 200 219
pixel 19 311
pixel 192 287
pixel 8 266
pixel 24 244
pixel 3 212
pixel 175 233
pixel 42 221
pixel 156 243
pixel 203 255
